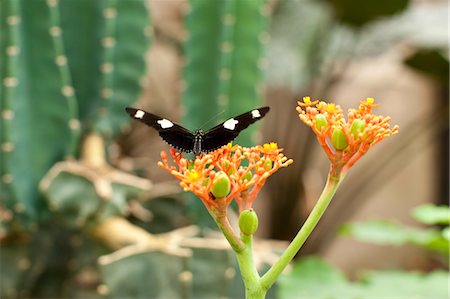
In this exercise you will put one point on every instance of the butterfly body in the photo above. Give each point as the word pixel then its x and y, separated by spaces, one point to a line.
pixel 199 141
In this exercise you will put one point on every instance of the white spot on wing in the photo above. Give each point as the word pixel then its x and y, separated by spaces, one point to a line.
pixel 139 114
pixel 230 124
pixel 256 114
pixel 165 123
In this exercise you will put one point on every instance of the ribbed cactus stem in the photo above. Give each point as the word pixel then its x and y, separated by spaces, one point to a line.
pixel 224 59
pixel 107 62
pixel 122 64
pixel 226 45
pixel 10 85
pixel 67 88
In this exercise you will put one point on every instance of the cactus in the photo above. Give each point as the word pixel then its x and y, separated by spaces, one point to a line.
pixel 60 79
pixel 224 58
pixel 38 126
pixel 182 268
pixel 55 86
pixel 136 273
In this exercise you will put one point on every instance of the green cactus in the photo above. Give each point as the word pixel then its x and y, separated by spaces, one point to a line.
pixel 60 77
pixel 224 58
pixel 87 196
pixel 38 125
pixel 217 281
pixel 135 273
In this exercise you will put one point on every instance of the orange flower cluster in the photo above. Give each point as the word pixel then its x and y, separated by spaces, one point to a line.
pixel 345 141
pixel 244 171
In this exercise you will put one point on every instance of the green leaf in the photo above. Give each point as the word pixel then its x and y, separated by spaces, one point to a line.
pixel 399 284
pixel 358 13
pixel 388 233
pixel 432 214
pixel 432 62
pixel 314 278
pixel 446 233
pixel 308 278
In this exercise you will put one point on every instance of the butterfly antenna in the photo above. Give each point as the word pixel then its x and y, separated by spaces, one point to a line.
pixel 212 118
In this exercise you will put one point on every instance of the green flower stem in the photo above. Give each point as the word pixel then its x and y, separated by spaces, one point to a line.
pixel 220 217
pixel 272 274
pixel 250 276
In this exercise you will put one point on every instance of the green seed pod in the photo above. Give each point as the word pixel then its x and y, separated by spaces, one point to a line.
pixel 221 185
pixel 247 177
pixel 248 222
pixel 339 140
pixel 226 165
pixel 267 164
pixel 357 127
pixel 321 122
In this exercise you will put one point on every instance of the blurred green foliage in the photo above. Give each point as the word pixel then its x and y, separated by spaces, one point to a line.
pixel 315 278
pixel 358 13
pixel 390 233
pixel 70 68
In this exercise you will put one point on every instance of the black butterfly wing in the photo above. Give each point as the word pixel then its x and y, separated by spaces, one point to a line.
pixel 230 129
pixel 175 135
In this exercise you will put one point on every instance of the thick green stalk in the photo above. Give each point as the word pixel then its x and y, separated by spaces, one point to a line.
pixel 250 276
pixel 272 274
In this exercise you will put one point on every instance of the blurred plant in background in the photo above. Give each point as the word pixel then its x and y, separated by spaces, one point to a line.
pixel 313 277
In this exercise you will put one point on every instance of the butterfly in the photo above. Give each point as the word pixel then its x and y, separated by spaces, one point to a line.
pixel 199 141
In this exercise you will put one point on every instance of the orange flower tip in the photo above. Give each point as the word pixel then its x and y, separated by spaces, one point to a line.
pixel 174 172
pixel 163 155
pixel 265 175
pixel 289 162
pixel 160 164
